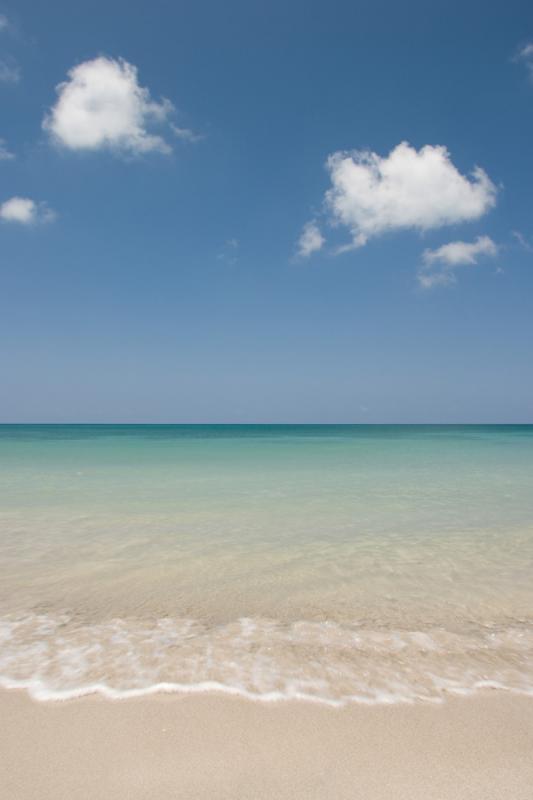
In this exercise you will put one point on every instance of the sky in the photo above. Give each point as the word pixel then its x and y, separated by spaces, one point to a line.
pixel 266 212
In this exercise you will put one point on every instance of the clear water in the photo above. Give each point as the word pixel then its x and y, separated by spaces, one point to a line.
pixel 334 563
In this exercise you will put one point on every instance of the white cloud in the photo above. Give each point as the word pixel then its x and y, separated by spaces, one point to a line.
pixel 9 72
pixel 418 189
pixel 5 153
pixel 429 280
pixel 4 22
pixel 310 240
pixel 25 211
pixel 455 254
pixel 18 209
pixel 440 264
pixel 186 134
pixel 101 105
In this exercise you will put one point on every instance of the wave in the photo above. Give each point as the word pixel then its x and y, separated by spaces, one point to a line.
pixel 64 657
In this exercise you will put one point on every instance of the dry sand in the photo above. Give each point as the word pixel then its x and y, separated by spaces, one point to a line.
pixel 219 747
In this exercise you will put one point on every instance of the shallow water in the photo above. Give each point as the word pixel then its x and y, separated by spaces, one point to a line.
pixel 371 563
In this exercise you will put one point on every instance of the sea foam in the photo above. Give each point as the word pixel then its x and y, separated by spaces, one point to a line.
pixel 60 658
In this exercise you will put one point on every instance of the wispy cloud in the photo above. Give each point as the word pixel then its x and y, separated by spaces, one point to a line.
pixel 5 153
pixel 310 241
pixel 525 56
pixel 455 254
pixel 9 69
pixel 9 72
pixel 186 134
pixel 229 251
pixel 522 241
pixel 440 265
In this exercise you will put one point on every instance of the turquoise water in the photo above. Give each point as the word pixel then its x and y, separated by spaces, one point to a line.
pixel 334 563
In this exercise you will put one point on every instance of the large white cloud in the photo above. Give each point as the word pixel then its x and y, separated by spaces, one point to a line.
pixel 419 189
pixel 102 105
pixel 440 264
pixel 25 211
pixel 310 240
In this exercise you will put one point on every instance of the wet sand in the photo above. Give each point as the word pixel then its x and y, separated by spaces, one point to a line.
pixel 216 747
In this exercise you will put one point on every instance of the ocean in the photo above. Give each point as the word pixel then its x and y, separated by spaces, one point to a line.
pixel 335 563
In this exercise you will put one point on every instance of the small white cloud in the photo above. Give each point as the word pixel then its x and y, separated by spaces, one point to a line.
pixel 9 72
pixel 310 240
pixel 18 209
pixel 186 134
pixel 429 280
pixel 5 153
pixel 418 189
pixel 25 211
pixel 440 264
pixel 102 106
pixel 455 254
pixel 4 22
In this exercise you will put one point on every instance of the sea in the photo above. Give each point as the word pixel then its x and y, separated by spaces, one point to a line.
pixel 323 563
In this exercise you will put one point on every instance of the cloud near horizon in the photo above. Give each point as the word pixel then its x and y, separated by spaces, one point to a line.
pixel 102 106
pixel 24 211
pixel 440 264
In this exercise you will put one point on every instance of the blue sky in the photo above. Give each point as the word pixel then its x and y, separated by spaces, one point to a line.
pixel 152 209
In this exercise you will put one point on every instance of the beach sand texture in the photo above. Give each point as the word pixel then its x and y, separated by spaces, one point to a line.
pixel 209 746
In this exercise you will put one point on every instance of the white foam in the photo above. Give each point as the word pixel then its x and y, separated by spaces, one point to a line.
pixel 261 660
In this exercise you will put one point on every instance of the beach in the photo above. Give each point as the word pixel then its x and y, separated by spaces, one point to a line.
pixel 266 612
pixel 208 746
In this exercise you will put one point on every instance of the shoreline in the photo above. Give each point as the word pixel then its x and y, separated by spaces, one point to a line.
pixel 46 696
pixel 218 746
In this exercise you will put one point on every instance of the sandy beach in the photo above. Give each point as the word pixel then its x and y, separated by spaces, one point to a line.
pixel 266 613
pixel 210 746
